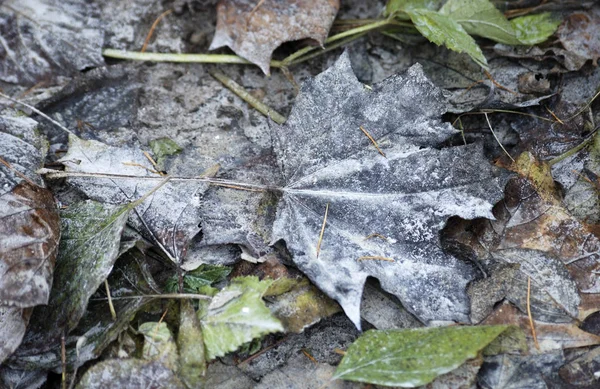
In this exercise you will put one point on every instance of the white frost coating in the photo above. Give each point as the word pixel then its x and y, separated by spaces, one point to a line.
pixel 400 201
pixel 170 213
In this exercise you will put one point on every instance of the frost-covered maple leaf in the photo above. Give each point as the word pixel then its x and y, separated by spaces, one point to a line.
pixel 384 212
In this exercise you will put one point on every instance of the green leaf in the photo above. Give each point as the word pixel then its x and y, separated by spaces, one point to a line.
pixel 399 6
pixel 440 29
pixel 412 357
pixel 236 315
pixel 198 279
pixel 534 29
pixel 164 147
pixel 480 17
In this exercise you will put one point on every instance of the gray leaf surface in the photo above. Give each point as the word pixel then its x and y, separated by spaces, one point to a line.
pixel 48 38
pixel 169 215
pixel 405 197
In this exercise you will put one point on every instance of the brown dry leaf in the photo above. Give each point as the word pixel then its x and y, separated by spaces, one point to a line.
pixel 550 336
pixel 537 220
pixel 580 34
pixel 253 29
pixel 29 235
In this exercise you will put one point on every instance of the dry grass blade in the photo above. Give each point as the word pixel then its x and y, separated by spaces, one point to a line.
pixel 531 324
pixel 495 137
pixel 375 257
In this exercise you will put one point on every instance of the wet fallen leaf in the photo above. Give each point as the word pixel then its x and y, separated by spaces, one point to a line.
pixel 579 34
pixel 301 306
pixel 550 336
pixel 253 30
pixel 509 371
pixel 91 233
pixel 29 235
pixel 581 371
pixel 43 39
pixel 403 198
pixel 412 357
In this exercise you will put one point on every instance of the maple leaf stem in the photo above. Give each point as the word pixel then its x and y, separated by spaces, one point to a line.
pixel 358 30
pixel 177 57
pixel 247 97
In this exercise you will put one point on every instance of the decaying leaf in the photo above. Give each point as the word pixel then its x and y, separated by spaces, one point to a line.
pixel 29 222
pixel 169 217
pixel 43 39
pixel 130 373
pixel 29 235
pixel 236 315
pixel 301 306
pixel 579 34
pixel 550 336
pixel 253 30
pixel 520 371
pixel 383 212
pixel 412 357
pixel 91 233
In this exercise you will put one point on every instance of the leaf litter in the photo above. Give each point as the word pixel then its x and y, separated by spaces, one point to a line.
pixel 543 296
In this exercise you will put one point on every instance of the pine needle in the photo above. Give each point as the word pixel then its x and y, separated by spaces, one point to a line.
pixel 372 140
pixel 375 257
pixel 322 230
pixel 158 19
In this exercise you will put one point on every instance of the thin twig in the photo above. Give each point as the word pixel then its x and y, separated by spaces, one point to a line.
pixel 162 296
pixel 372 140
pixel 34 109
pixel 322 230
pixel 495 137
pixel 375 257
pixel 113 313
pixel 63 361
pixel 158 19
pixel 54 174
pixel 537 345
pixel 247 97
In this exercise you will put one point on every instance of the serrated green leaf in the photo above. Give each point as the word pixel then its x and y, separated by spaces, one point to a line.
pixel 534 29
pixel 399 6
pixel 198 279
pixel 412 357
pixel 236 315
pixel 480 17
pixel 440 29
